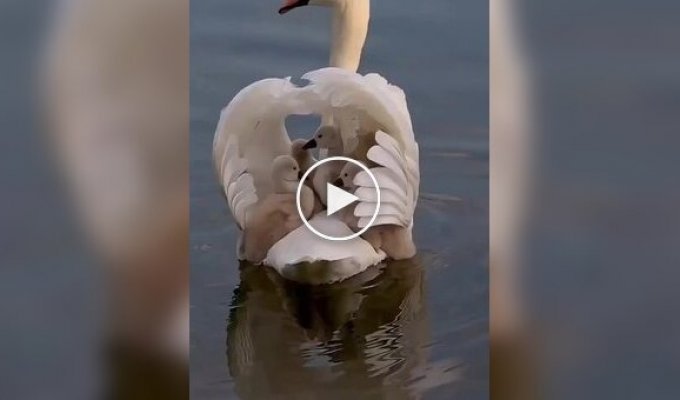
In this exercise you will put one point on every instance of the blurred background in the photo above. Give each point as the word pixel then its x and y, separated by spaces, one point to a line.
pixel 95 199
pixel 94 110
pixel 584 302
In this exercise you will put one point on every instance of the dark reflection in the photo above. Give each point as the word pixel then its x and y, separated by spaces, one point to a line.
pixel 362 337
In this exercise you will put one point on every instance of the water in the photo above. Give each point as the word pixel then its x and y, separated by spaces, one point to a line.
pixel 416 328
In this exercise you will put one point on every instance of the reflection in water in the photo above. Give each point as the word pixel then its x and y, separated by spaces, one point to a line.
pixel 365 336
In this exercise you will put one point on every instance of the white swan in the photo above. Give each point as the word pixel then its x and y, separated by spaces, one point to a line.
pixel 368 112
pixel 329 141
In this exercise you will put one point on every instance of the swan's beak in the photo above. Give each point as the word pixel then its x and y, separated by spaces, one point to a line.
pixel 300 174
pixel 339 183
pixel 309 145
pixel 291 4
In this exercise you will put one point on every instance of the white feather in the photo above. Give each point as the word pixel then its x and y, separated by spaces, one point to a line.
pixel 387 179
pixel 249 135
pixel 397 176
pixel 328 261
pixel 381 108
pixel 376 103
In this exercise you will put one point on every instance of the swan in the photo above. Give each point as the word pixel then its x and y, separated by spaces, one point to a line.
pixel 329 141
pixel 274 217
pixel 302 154
pixel 306 160
pixel 362 111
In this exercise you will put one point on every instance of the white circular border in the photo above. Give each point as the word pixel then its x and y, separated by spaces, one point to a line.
pixel 302 182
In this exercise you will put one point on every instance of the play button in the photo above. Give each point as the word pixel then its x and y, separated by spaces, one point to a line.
pixel 338 199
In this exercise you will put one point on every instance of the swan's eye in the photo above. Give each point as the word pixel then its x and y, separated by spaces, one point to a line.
pixel 346 175
pixel 320 136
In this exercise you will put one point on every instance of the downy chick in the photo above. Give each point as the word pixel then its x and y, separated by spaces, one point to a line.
pixel 276 215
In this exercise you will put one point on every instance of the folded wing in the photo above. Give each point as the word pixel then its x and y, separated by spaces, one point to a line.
pixel 369 105
pixel 250 134
pixel 398 178
pixel 363 103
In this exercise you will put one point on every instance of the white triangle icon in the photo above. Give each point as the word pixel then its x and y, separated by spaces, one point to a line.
pixel 338 199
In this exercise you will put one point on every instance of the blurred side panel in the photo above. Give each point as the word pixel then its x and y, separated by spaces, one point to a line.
pixel 510 180
pixel 95 199
pixel 49 303
pixel 597 283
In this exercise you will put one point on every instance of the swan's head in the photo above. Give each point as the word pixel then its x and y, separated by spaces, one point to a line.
pixel 326 137
pixel 285 174
pixel 292 4
pixel 302 155
pixel 298 150
pixel 345 179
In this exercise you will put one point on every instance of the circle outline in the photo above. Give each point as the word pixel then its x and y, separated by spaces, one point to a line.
pixel 299 191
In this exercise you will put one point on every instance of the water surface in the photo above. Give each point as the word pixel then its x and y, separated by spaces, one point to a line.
pixel 416 328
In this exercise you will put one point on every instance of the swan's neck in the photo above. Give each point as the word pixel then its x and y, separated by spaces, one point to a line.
pixel 306 161
pixel 335 151
pixel 282 186
pixel 350 27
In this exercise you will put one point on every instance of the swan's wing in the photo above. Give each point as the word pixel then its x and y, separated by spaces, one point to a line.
pixel 361 103
pixel 370 105
pixel 398 177
pixel 237 183
pixel 249 135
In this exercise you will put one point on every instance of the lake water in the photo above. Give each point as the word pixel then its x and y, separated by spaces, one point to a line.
pixel 407 329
